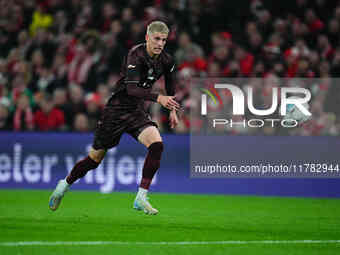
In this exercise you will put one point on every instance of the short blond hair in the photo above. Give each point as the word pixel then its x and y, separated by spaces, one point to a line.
pixel 157 26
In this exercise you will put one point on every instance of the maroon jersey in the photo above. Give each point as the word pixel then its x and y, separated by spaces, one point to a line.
pixel 124 112
pixel 140 72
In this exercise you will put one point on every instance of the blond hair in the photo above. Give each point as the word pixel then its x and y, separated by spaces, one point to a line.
pixel 157 26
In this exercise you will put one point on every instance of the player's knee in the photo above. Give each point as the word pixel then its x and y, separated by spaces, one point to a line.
pixel 156 149
pixel 97 156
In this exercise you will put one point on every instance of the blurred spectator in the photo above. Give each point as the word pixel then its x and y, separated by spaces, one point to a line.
pixel 46 82
pixel 214 70
pixel 93 110
pixel 108 13
pixel 326 50
pixel 41 19
pixel 4 76
pixel 48 117
pixel 19 87
pixel 103 93
pixel 59 70
pixel 75 104
pixel 5 121
pixel 81 123
pixel 41 41
pixel 313 21
pixel 264 23
pixel 61 23
pixel 23 119
pixel 255 45
pixel 245 61
pixel 137 33
pixel 60 98
pixel 115 52
pixel 333 32
pixel 24 42
pixel 60 101
pixel 187 50
pixel 82 68
pixel 221 56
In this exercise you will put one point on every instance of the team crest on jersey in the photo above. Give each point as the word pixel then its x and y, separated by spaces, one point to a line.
pixel 150 71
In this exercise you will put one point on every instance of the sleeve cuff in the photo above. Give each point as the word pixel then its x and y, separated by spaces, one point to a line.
pixel 153 97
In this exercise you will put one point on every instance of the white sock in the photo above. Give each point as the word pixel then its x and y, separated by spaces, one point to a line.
pixel 66 183
pixel 64 186
pixel 142 192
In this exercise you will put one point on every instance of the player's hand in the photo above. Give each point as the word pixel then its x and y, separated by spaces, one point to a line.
pixel 168 102
pixel 173 119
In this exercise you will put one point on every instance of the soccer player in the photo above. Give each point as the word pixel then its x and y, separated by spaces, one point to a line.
pixel 125 113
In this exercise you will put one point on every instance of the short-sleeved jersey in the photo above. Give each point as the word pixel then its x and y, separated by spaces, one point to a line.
pixel 140 72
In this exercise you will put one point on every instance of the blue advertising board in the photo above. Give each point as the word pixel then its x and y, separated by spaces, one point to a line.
pixel 39 160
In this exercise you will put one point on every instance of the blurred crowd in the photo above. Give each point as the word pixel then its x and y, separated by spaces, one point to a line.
pixel 59 60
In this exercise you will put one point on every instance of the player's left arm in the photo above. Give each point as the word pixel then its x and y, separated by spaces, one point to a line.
pixel 169 78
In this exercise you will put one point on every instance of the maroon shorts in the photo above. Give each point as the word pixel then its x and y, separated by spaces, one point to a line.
pixel 116 121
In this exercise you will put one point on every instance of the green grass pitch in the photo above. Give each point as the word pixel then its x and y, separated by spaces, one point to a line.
pixel 90 216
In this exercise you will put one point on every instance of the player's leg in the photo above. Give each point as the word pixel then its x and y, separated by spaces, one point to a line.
pixel 151 138
pixel 79 170
pixel 106 136
pixel 112 124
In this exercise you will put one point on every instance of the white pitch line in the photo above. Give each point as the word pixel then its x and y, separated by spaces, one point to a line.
pixel 91 243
